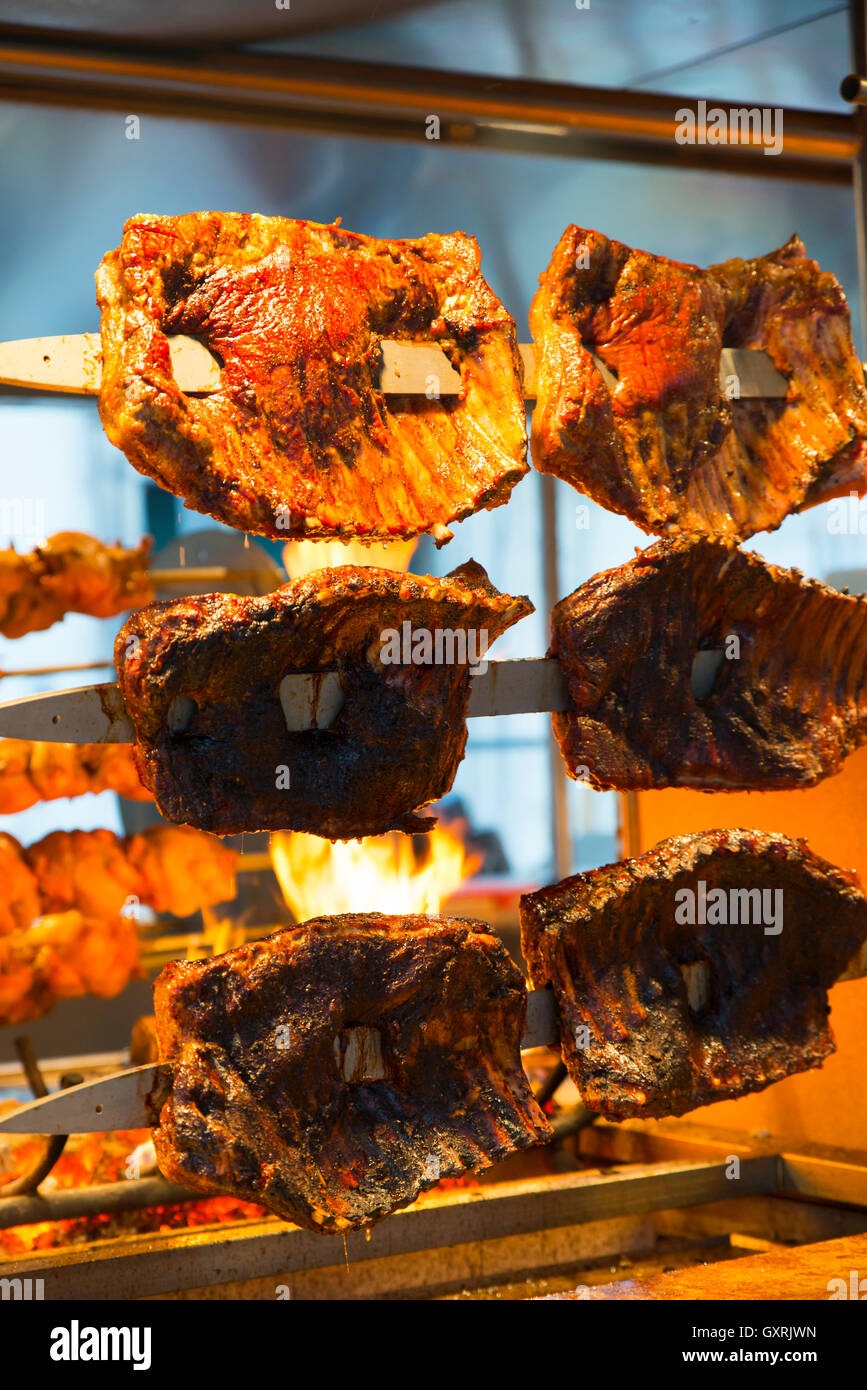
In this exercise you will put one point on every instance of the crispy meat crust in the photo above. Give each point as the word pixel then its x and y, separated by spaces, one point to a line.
pixel 395 745
pixel 70 573
pixel 665 445
pixel 790 697
pixel 298 440
pixel 259 1105
pixel 610 944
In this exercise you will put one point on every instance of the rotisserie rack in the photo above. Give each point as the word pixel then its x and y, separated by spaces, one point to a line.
pixel 309 384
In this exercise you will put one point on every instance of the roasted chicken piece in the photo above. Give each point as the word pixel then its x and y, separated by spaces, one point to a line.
pixel 200 679
pixel 20 899
pixel 70 573
pixel 699 664
pixel 298 440
pixel 652 433
pixel 184 869
pixel 167 867
pixel 335 1070
pixel 69 904
pixel 61 956
pixel 32 771
pixel 88 870
pixel 695 973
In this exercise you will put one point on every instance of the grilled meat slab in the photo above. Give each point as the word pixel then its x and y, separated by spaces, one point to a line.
pixel 618 946
pixel 395 745
pixel 425 1016
pixel 298 440
pixel 661 442
pixel 70 573
pixel 789 698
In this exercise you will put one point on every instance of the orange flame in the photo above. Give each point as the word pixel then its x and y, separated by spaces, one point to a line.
pixel 378 874
pixel 218 935
pixel 301 557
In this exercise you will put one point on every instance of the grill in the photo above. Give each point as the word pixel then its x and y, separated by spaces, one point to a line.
pixel 606 1206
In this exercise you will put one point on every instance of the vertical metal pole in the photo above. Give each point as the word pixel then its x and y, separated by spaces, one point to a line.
pixel 561 838
pixel 629 824
pixel 858 35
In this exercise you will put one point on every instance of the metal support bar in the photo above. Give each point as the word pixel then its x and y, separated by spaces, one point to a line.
pixel 103 1199
pixel 858 36
pixel 374 100
pixel 152 1264
pixel 561 838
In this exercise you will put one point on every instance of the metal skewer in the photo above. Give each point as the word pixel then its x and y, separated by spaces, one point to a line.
pixel 60 670
pixel 72 363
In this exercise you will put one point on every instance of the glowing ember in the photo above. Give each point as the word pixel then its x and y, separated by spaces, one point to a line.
pixel 379 874
pixel 89 1160
pixel 300 557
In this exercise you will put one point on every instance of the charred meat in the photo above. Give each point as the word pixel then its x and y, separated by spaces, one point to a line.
pixel 335 1070
pixel 630 408
pixel 230 763
pixel 699 664
pixel 695 973
pixel 298 440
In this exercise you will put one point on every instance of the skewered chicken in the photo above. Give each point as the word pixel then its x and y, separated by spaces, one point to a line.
pixel 699 664
pixel 61 956
pixel 70 573
pixel 171 868
pixel 661 440
pixel 20 898
pixel 200 679
pixel 31 771
pixel 298 440
pixel 335 1070
pixel 695 973
pixel 68 906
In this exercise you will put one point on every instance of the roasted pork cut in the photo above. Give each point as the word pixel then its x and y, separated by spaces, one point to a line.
pixel 695 973
pixel 782 694
pixel 335 1070
pixel 298 440
pixel 653 432
pixel 201 679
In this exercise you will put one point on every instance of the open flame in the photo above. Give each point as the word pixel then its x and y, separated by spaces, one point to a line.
pixel 381 873
pixel 218 935
pixel 302 557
